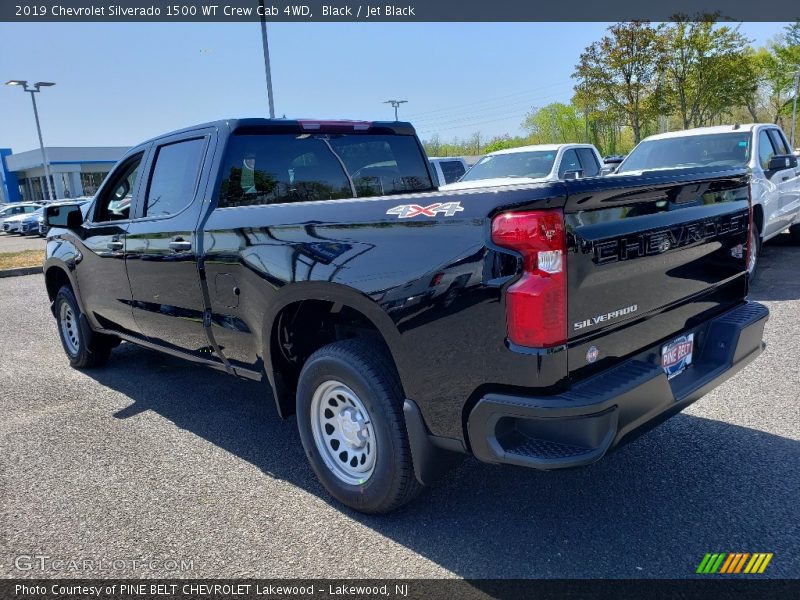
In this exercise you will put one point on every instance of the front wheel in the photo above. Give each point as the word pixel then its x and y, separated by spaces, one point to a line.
pixel 83 351
pixel 350 417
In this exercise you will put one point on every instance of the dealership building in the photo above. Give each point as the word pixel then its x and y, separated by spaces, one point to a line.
pixel 73 172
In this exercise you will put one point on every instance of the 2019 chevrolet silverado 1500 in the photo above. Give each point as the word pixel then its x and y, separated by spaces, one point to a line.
pixel 316 256
pixel 761 148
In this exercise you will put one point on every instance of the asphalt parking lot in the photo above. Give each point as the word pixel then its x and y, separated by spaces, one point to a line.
pixel 154 458
pixel 11 242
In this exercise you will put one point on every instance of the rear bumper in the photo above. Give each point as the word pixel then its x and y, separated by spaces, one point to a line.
pixel 601 412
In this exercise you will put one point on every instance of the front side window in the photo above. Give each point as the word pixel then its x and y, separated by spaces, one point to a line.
pixel 779 141
pixel 452 170
pixel 174 177
pixel 765 149
pixel 569 162
pixel 114 204
pixel 589 164
pixel 282 168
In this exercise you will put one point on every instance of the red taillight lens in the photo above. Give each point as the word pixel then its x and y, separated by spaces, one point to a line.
pixel 536 305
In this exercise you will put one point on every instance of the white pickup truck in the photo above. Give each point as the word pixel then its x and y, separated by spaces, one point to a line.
pixel 531 164
pixel 761 147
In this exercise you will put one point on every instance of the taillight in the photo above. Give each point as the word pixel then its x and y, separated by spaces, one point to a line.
pixel 536 305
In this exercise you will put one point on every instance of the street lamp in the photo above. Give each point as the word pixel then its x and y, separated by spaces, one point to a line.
pixel 396 104
pixel 33 90
pixel 267 65
pixel 794 106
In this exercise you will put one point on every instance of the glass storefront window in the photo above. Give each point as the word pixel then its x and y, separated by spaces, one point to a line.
pixel 92 181
pixel 65 183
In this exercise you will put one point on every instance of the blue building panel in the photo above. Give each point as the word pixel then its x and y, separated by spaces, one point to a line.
pixel 8 179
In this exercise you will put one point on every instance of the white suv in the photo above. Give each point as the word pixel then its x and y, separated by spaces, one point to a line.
pixel 761 147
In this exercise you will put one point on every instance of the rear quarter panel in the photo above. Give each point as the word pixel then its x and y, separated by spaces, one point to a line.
pixel 353 252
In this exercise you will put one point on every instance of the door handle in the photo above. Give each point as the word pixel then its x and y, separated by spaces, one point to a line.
pixel 115 245
pixel 180 245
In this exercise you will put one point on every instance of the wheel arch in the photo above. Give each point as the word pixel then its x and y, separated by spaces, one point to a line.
pixel 343 313
pixel 56 275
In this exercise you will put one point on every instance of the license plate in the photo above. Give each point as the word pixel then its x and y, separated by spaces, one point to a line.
pixel 677 355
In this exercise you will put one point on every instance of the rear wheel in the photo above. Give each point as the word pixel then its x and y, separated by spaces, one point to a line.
pixel 83 351
pixel 794 231
pixel 350 417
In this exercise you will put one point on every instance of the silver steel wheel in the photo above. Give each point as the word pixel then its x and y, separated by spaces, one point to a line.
pixel 69 329
pixel 752 256
pixel 343 432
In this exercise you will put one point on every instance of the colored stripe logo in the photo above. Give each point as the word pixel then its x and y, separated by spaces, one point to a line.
pixel 731 563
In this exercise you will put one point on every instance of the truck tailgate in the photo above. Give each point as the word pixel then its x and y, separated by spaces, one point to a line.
pixel 650 256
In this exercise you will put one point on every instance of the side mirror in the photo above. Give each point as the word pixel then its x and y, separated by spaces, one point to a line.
pixel 577 174
pixel 67 216
pixel 782 161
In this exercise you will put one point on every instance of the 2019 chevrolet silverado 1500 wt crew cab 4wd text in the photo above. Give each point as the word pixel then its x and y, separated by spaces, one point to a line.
pixel 311 255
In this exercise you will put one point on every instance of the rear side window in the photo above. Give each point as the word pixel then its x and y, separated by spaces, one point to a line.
pixel 569 162
pixel 765 149
pixel 452 170
pixel 284 168
pixel 591 168
pixel 174 177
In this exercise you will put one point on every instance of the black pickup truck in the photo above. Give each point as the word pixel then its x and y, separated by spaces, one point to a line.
pixel 537 325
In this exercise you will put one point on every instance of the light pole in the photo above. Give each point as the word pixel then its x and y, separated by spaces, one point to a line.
pixel 34 90
pixel 396 104
pixel 794 106
pixel 267 67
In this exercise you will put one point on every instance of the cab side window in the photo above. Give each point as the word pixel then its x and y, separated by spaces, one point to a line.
pixel 779 142
pixel 452 170
pixel 114 203
pixel 591 168
pixel 174 177
pixel 765 149
pixel 569 162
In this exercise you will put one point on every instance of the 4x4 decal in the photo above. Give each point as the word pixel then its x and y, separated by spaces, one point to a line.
pixel 406 211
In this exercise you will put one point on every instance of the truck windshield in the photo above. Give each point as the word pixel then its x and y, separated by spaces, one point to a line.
pixel 719 149
pixel 515 164
pixel 281 168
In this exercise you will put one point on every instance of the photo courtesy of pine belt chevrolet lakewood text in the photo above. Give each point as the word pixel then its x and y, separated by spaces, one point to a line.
pixel 538 324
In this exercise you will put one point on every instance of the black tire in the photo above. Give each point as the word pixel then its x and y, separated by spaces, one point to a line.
pixel 85 349
pixel 755 241
pixel 794 232
pixel 365 369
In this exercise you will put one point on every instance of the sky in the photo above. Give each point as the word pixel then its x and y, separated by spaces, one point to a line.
pixel 121 83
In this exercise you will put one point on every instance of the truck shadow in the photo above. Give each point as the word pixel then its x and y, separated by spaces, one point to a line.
pixel 777 276
pixel 652 509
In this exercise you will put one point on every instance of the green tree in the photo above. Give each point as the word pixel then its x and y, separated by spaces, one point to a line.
pixel 555 123
pixel 707 69
pixel 621 73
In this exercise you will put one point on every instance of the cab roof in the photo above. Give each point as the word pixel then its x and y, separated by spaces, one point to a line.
pixel 261 125
pixel 539 148
pixel 742 128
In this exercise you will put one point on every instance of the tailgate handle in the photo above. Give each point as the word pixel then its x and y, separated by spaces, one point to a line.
pixel 180 245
